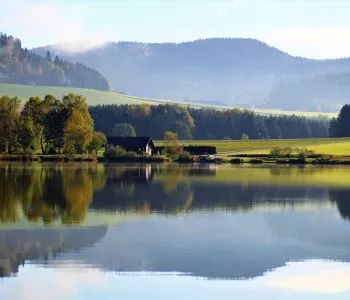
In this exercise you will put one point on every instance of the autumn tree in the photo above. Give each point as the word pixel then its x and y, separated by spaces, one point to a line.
pixel 172 146
pixel 79 128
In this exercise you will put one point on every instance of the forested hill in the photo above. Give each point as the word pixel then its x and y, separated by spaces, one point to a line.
pixel 18 65
pixel 325 92
pixel 218 71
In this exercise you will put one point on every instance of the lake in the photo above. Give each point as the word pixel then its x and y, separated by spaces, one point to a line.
pixel 94 231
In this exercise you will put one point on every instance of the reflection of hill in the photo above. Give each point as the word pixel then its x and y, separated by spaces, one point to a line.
pixel 18 246
pixel 221 244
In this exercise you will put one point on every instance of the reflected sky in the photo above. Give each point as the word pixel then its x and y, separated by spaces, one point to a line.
pixel 84 231
pixel 312 279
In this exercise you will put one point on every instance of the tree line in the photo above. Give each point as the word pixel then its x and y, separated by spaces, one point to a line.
pixel 202 124
pixel 48 125
pixel 18 65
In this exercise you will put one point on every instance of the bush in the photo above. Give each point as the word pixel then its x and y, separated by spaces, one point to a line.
pixel 281 152
pixel 236 161
pixel 300 153
pixel 255 161
pixel 114 152
pixel 303 153
pixel 185 157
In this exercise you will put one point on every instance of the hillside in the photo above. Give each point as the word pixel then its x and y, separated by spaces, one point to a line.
pixel 18 65
pixel 306 94
pixel 214 71
pixel 96 97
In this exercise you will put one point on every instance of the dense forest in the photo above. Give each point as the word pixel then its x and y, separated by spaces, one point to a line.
pixel 204 124
pixel 320 93
pixel 18 65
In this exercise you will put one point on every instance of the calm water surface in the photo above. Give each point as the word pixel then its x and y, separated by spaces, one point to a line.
pixel 81 231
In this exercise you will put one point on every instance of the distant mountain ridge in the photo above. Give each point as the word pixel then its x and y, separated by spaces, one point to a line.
pixel 20 66
pixel 231 71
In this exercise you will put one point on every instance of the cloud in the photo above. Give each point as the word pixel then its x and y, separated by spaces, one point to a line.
pixel 313 42
pixel 313 276
pixel 51 22
pixel 63 283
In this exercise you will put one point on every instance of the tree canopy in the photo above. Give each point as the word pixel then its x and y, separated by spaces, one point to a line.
pixel 123 129
pixel 205 124
pixel 48 125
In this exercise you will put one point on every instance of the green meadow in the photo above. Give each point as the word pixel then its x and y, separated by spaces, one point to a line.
pixel 95 97
pixel 339 146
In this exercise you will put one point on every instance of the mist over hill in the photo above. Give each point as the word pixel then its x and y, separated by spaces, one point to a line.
pixel 222 71
pixel 21 66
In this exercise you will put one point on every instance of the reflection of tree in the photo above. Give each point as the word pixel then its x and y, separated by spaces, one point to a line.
pixel 191 189
pixel 65 192
pixel 18 246
pixel 296 170
pixel 47 192
pixel 342 198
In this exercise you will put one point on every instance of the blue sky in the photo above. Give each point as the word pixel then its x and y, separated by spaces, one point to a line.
pixel 311 28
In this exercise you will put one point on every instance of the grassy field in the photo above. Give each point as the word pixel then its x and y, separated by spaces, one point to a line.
pixel 95 97
pixel 321 146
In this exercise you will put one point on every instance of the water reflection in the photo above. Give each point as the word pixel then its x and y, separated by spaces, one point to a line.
pixel 207 221
pixel 19 246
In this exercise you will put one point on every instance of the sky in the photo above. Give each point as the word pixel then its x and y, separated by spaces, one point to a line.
pixel 309 28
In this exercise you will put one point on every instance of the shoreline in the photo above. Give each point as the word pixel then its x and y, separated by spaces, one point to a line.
pixel 233 160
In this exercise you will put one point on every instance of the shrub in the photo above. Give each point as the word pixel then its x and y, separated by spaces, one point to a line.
pixel 236 161
pixel 255 161
pixel 304 153
pixel 185 157
pixel 281 152
pixel 245 137
pixel 114 152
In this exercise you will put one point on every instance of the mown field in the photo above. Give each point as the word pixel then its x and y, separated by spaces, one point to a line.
pixel 321 146
pixel 96 97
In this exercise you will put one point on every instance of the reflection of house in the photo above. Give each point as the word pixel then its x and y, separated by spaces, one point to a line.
pixel 142 174
pixel 136 144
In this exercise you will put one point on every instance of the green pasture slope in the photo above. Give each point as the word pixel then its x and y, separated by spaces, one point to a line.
pixel 321 146
pixel 95 97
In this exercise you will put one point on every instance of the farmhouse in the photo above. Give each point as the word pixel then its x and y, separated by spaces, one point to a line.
pixel 141 144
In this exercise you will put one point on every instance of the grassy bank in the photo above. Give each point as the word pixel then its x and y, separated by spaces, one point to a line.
pixel 48 158
pixel 96 97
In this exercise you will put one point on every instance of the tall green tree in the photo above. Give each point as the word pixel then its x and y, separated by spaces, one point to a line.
pixel 26 134
pixel 9 118
pixel 98 140
pixel 340 127
pixel 54 124
pixel 123 129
